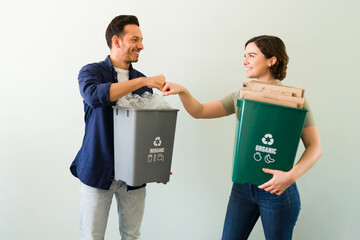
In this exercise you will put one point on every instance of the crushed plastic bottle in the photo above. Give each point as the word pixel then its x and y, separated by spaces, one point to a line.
pixel 146 101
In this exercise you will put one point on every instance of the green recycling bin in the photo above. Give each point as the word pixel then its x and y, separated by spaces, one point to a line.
pixel 267 136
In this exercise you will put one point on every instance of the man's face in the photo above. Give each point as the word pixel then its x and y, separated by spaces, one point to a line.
pixel 130 44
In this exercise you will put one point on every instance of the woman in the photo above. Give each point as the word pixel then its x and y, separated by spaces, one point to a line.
pixel 266 61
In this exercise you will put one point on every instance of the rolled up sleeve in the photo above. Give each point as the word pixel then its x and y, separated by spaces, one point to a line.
pixel 93 88
pixel 229 102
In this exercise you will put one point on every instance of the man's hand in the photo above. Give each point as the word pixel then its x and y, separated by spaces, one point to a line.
pixel 164 182
pixel 157 82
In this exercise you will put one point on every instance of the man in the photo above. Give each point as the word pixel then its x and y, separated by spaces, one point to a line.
pixel 101 84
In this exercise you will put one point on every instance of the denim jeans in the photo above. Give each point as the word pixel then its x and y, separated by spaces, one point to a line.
pixel 247 202
pixel 95 205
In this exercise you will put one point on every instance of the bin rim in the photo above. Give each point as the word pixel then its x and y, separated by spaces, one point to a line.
pixel 270 104
pixel 146 110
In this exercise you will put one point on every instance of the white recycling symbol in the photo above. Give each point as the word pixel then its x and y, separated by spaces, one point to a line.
pixel 157 142
pixel 268 139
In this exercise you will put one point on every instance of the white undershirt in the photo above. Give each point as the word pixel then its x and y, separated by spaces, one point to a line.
pixel 122 75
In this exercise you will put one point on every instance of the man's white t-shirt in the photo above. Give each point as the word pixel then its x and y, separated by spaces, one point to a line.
pixel 122 75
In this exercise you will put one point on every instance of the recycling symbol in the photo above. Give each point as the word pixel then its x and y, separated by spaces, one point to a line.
pixel 268 139
pixel 157 142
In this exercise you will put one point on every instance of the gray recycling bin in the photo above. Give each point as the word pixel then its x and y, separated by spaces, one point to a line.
pixel 143 144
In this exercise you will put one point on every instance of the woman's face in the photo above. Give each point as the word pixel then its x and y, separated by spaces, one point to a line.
pixel 256 64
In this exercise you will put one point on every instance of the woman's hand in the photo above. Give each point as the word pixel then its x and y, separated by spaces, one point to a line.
pixel 172 88
pixel 278 183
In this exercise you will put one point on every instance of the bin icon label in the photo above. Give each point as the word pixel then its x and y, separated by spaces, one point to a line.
pixel 156 154
pixel 261 150
pixel 267 136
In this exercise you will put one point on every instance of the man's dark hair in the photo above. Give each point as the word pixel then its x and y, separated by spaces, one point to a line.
pixel 117 25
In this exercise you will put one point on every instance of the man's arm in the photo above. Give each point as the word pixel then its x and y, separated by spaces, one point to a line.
pixel 118 90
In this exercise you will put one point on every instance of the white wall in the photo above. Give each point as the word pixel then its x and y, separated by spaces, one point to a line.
pixel 199 44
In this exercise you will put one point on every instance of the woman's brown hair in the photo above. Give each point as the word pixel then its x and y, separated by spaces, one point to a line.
pixel 272 46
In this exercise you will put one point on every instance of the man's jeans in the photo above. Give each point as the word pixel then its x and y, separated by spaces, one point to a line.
pixel 95 205
pixel 247 202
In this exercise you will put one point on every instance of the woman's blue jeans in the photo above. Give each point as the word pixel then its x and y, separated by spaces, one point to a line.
pixel 247 202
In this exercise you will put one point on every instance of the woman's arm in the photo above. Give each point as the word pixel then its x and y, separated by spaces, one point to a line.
pixel 213 109
pixel 311 139
pixel 282 180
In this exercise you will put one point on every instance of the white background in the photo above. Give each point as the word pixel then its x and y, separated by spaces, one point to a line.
pixel 200 45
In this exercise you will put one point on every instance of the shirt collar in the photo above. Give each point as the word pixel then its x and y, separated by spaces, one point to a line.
pixel 109 64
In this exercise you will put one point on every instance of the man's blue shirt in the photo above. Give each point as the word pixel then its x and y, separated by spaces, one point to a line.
pixel 94 163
